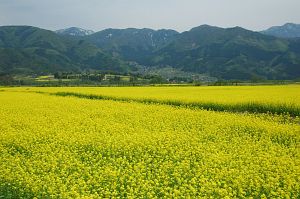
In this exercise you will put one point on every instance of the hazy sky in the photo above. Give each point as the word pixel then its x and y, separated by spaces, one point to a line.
pixel 173 14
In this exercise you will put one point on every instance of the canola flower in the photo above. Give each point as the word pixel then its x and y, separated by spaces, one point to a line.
pixel 281 99
pixel 221 94
pixel 65 147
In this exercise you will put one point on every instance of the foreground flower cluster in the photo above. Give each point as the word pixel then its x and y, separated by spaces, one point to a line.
pixel 65 147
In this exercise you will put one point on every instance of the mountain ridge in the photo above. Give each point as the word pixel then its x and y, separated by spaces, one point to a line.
pixel 74 31
pixel 288 30
pixel 27 49
pixel 225 53
pixel 131 44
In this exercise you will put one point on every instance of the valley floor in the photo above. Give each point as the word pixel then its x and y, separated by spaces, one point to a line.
pixel 150 142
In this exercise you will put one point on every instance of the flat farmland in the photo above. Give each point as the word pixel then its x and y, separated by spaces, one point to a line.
pixel 150 142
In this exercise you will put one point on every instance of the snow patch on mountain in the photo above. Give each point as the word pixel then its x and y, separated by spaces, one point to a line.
pixel 74 31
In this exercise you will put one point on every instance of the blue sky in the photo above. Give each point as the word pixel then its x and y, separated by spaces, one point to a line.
pixel 180 15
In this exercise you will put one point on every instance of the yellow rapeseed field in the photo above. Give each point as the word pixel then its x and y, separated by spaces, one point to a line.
pixel 68 147
pixel 281 99
pixel 220 94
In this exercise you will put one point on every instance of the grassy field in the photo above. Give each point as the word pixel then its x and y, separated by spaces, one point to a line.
pixel 55 144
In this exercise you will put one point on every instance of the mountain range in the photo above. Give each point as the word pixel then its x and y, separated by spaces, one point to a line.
pixel 288 30
pixel 31 50
pixel 225 53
